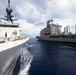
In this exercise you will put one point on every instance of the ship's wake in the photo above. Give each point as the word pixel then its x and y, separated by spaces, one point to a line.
pixel 25 70
pixel 23 63
pixel 26 59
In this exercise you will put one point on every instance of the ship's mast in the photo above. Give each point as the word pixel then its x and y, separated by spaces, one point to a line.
pixel 9 11
pixel 8 3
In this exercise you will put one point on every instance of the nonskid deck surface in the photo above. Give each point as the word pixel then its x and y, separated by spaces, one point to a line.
pixel 11 44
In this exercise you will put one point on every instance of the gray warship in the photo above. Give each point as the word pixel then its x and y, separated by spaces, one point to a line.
pixel 12 45
pixel 52 32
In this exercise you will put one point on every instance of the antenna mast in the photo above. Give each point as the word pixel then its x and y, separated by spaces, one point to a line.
pixel 9 11
pixel 8 3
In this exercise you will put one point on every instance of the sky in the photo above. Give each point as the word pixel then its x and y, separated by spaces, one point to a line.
pixel 34 14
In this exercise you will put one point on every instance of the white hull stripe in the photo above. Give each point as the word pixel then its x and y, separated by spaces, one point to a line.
pixel 11 44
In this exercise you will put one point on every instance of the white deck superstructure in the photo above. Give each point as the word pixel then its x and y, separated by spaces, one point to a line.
pixel 9 31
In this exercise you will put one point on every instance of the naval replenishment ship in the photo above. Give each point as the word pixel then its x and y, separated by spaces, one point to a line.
pixel 53 33
pixel 11 44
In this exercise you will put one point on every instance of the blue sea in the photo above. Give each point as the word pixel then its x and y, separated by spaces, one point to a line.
pixel 51 58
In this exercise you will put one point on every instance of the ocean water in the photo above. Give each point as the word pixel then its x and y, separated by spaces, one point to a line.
pixel 52 58
pixel 49 58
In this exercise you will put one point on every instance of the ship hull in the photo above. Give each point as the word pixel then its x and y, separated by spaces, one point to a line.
pixel 59 39
pixel 9 56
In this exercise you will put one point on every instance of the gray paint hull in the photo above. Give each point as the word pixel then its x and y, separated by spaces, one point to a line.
pixel 8 59
pixel 60 39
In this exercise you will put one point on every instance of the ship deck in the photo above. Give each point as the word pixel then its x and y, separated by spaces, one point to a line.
pixel 11 44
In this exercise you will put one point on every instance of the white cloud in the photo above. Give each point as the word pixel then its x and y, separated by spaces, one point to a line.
pixel 35 13
pixel 63 3
pixel 29 28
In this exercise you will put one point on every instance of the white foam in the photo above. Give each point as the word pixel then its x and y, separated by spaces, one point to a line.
pixel 25 70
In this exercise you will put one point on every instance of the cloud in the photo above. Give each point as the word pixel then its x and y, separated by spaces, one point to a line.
pixel 30 28
pixel 67 22
pixel 35 13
